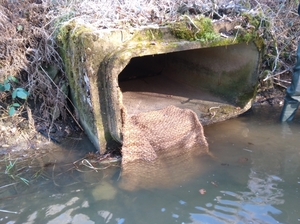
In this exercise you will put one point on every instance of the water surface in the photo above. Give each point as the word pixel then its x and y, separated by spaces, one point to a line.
pixel 253 177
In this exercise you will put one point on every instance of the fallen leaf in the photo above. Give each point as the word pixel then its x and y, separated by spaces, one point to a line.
pixel 202 191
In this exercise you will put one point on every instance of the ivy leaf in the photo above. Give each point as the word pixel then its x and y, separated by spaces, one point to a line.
pixel 21 93
pixel 14 94
pixel 6 85
pixel 15 105
pixel 12 78
pixel 2 89
pixel 11 111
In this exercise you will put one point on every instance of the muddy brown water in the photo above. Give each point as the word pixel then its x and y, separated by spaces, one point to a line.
pixel 254 177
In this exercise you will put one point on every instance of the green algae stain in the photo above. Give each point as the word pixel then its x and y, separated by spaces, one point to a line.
pixel 74 41
pixel 235 90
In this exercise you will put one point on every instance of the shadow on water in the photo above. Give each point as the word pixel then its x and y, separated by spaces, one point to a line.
pixel 254 177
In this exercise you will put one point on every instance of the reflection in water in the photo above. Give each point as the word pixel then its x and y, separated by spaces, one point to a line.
pixel 265 189
pixel 166 171
pixel 254 206
pixel 66 216
pixel 254 177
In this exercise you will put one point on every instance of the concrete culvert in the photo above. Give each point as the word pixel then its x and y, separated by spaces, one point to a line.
pixel 120 74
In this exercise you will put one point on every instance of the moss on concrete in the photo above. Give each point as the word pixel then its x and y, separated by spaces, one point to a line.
pixel 200 29
pixel 76 43
pixel 235 90
pixel 154 34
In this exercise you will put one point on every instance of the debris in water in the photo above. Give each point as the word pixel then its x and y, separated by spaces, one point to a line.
pixel 202 191
pixel 243 160
pixel 214 183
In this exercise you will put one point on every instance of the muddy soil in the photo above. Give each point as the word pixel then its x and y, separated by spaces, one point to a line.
pixel 272 97
pixel 22 138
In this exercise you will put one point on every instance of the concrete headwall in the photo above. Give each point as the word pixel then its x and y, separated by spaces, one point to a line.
pixel 115 71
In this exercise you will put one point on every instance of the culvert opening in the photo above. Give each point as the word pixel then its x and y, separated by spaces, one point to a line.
pixel 213 83
pixel 207 81
pixel 147 84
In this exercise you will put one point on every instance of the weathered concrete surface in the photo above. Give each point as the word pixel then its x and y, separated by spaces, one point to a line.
pixel 138 70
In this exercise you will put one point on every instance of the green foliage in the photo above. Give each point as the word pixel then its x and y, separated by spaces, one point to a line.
pixel 15 92
pixel 20 92
pixel 6 84
pixel 12 108
pixel 10 170
pixel 9 167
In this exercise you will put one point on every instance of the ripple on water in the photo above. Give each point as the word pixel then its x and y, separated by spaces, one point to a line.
pixel 254 206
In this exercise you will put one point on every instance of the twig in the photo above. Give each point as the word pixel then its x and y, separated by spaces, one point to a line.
pixel 6 211
pixel 276 59
pixel 86 163
pixel 214 113
pixel 280 80
pixel 272 76
pixel 279 84
pixel 7 185
pixel 198 29
pixel 65 96
pixel 53 178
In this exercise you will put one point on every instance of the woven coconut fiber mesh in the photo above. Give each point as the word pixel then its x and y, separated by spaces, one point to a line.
pixel 157 141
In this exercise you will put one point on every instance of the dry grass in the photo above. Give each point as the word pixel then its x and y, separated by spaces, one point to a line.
pixel 282 43
pixel 28 49
pixel 136 13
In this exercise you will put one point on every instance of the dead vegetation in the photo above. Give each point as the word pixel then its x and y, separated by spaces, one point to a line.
pixel 28 49
pixel 28 53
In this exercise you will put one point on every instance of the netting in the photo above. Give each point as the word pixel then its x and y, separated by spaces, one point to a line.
pixel 157 143
pixel 146 133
